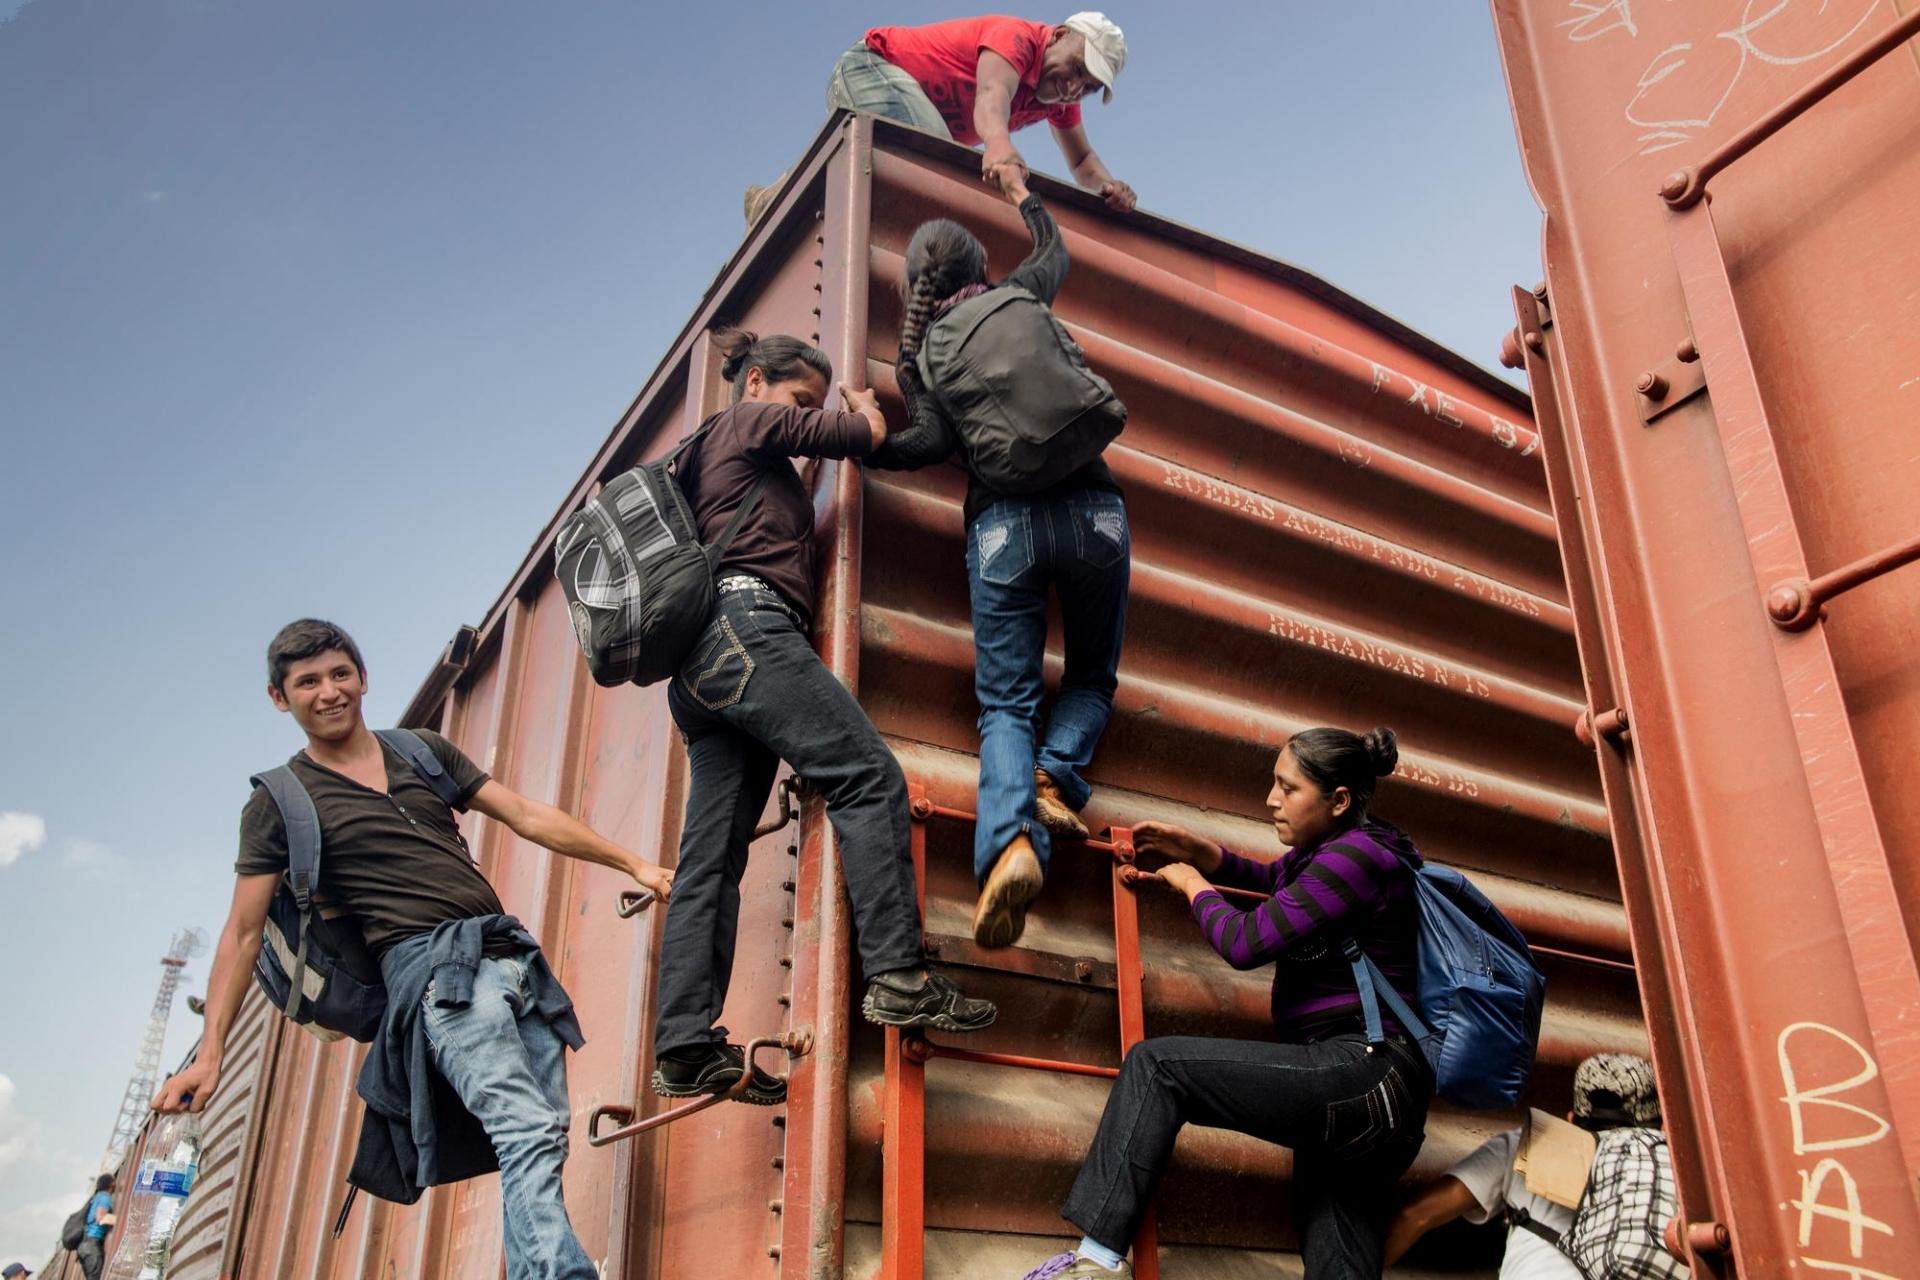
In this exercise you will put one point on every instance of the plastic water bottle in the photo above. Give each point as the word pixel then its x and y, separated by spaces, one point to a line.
pixel 153 1204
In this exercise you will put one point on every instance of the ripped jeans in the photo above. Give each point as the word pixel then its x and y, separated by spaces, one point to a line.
pixel 1075 544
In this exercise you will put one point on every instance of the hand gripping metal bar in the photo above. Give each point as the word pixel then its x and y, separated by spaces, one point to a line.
pixel 634 901
pixel 797 1043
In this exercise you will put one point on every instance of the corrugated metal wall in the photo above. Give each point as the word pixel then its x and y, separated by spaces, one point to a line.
pixel 1334 520
pixel 1725 368
pixel 214 1219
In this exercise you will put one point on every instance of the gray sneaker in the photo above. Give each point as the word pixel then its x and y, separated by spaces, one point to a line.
pixel 1071 1266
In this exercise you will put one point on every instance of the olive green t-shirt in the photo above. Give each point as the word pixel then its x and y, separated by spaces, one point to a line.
pixel 396 861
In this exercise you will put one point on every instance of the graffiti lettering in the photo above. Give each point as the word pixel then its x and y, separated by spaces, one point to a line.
pixel 1842 1126
pixel 1685 87
pixel 1595 18
pixel 1798 1099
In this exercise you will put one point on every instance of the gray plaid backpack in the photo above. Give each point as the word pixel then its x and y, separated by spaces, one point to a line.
pixel 638 583
pixel 1629 1200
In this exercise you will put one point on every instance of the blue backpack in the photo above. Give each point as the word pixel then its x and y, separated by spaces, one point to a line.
pixel 1480 996
pixel 319 972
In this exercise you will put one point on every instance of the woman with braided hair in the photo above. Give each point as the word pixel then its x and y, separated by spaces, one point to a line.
pixel 1069 539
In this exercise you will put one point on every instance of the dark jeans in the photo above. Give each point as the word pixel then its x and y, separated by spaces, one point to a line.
pixel 754 693
pixel 1353 1118
pixel 1077 545
pixel 92 1256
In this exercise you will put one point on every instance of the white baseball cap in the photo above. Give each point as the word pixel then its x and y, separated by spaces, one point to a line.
pixel 1106 47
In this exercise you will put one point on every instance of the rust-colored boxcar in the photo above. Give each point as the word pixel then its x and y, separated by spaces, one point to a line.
pixel 1334 520
pixel 1727 379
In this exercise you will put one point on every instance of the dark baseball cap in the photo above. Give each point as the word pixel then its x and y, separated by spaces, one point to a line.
pixel 13 1271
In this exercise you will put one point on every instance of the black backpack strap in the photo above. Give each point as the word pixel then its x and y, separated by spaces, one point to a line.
pixel 1517 1216
pixel 346 1207
pixel 718 547
pixel 302 823
pixel 415 751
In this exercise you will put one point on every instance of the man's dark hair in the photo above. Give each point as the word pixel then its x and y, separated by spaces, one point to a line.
pixel 298 641
pixel 103 1183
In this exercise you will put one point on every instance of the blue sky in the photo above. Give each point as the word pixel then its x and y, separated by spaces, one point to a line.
pixel 319 307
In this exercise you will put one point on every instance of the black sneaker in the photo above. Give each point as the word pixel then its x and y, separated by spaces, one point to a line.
pixel 714 1068
pixel 901 999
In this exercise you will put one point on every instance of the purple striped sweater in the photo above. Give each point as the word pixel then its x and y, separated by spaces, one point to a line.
pixel 1357 883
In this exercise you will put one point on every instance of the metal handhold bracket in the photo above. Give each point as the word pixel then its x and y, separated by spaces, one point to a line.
pixel 797 1043
pixel 1797 603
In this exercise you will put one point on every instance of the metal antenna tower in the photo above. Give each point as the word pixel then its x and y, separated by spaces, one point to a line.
pixel 134 1106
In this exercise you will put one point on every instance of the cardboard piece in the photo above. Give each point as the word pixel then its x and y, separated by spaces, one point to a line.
pixel 1555 1158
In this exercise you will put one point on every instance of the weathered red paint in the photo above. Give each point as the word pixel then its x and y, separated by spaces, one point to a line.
pixel 1334 520
pixel 1727 194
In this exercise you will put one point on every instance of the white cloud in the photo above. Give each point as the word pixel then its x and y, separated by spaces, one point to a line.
pixel 20 833
pixel 29 1231
pixel 15 1145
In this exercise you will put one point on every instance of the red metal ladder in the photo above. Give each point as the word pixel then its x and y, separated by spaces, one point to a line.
pixel 903 1211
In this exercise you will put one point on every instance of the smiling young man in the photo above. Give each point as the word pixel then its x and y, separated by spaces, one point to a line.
pixel 976 80
pixel 469 991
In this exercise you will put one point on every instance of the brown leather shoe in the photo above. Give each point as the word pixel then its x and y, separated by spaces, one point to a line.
pixel 1001 916
pixel 760 199
pixel 1051 808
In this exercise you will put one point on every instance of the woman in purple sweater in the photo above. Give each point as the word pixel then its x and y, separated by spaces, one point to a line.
pixel 1354 1114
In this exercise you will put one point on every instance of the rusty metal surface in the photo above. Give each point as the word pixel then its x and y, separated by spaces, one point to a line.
pixel 1731 187
pixel 213 1222
pixel 1334 521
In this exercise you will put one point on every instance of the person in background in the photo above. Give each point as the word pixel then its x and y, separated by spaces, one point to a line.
pixel 1353 1113
pixel 754 693
pixel 1070 540
pixel 1610 1091
pixel 92 1252
pixel 978 81
pixel 15 1271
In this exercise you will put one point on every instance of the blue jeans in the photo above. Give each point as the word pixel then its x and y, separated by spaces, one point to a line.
pixel 864 81
pixel 507 1064
pixel 1076 544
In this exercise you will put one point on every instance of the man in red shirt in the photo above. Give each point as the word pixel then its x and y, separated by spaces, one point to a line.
pixel 976 80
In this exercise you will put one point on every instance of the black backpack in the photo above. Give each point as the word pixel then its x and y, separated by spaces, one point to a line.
pixel 1017 388
pixel 320 972
pixel 74 1230
pixel 638 583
